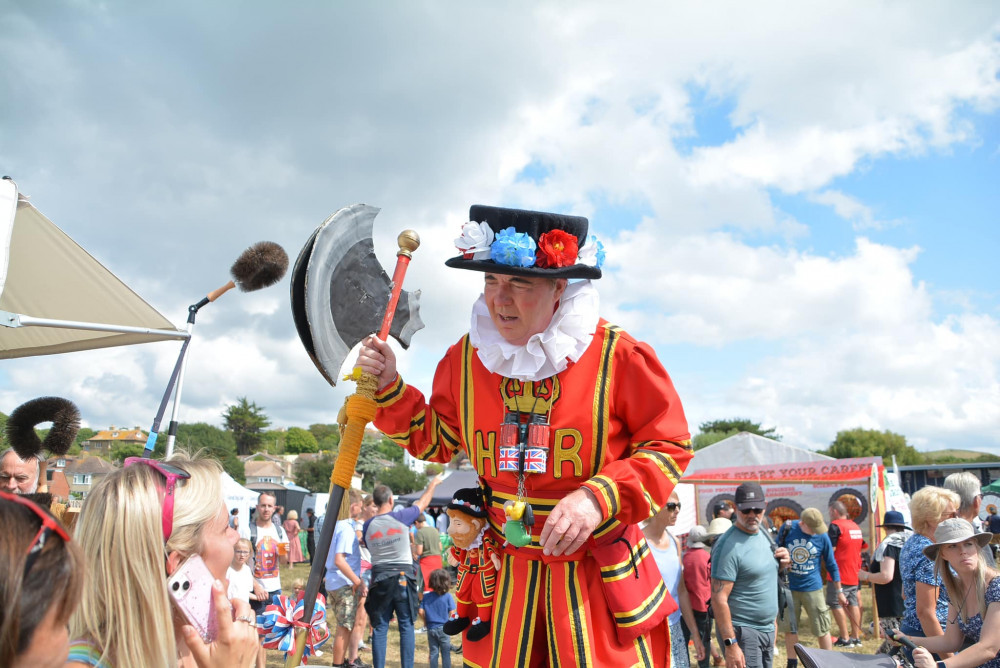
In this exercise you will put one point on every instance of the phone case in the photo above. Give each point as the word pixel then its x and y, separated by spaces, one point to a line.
pixel 191 589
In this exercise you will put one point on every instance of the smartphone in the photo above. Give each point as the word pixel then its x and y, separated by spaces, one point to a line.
pixel 190 588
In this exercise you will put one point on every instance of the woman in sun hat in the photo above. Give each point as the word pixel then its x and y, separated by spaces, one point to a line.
pixel 972 588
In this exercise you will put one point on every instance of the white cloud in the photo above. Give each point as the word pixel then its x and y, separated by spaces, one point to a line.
pixel 168 163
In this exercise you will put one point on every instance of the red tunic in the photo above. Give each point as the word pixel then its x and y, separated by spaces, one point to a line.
pixel 847 551
pixel 617 428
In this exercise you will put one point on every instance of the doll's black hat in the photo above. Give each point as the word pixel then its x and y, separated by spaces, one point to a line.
pixel 528 243
pixel 469 501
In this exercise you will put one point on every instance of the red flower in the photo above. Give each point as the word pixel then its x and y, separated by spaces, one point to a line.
pixel 557 248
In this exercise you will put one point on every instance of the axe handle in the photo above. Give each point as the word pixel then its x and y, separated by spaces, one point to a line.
pixel 402 262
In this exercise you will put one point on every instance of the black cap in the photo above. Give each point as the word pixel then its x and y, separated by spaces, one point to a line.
pixel 750 495
pixel 469 501
pixel 533 225
pixel 719 507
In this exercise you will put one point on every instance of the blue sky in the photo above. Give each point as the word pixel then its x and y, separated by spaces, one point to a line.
pixel 799 205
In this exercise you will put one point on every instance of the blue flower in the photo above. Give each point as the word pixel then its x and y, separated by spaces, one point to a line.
pixel 513 248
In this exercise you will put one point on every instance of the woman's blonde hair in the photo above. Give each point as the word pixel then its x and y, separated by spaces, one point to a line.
pixel 927 506
pixel 292 515
pixel 956 594
pixel 125 610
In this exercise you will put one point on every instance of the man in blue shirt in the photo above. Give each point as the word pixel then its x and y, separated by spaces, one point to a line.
pixel 808 544
pixel 343 578
pixel 745 584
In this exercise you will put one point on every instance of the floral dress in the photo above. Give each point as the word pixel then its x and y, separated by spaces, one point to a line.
pixel 974 626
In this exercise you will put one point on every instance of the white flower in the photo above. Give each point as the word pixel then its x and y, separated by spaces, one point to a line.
pixel 475 241
pixel 592 253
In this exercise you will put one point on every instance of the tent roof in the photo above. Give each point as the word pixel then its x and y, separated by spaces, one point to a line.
pixel 45 274
pixel 746 449
pixel 446 490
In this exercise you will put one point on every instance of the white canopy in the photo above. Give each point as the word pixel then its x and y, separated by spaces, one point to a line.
pixel 746 449
pixel 55 297
pixel 239 497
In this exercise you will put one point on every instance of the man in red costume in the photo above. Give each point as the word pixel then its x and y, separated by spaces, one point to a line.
pixel 569 418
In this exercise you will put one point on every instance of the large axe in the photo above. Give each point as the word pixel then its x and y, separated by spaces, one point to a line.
pixel 340 295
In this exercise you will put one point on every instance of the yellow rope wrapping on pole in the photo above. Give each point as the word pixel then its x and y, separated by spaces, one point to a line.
pixel 360 409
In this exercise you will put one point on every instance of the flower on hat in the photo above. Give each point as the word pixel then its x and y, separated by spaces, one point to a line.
pixel 475 241
pixel 592 252
pixel 557 248
pixel 513 248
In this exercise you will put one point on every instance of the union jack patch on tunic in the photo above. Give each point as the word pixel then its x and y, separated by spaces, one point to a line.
pixel 508 459
pixel 534 460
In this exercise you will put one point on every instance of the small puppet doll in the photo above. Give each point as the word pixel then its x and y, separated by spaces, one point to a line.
pixel 474 553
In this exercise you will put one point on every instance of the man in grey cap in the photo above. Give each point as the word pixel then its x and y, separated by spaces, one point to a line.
pixel 745 584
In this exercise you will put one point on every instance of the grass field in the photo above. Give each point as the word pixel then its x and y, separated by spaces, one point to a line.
pixel 275 659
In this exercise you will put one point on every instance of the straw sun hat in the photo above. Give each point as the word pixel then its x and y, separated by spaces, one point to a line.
pixel 955 530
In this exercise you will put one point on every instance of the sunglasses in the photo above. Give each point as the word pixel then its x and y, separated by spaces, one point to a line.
pixel 49 525
pixel 672 506
pixel 172 475
pixel 753 511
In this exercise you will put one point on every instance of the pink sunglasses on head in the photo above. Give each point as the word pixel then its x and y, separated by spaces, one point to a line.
pixel 172 474
pixel 49 525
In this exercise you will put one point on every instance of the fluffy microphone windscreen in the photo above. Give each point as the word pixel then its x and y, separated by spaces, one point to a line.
pixel 62 413
pixel 260 266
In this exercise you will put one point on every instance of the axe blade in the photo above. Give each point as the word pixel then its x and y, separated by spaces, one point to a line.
pixel 340 291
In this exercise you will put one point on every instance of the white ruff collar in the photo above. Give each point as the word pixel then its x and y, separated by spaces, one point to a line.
pixel 547 353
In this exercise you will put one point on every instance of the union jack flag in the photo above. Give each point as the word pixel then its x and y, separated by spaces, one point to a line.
pixel 534 460
pixel 508 459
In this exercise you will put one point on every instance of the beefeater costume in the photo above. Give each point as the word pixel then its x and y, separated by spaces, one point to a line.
pixel 582 404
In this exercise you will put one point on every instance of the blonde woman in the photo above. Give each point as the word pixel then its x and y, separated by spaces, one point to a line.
pixel 137 526
pixel 292 528
pixel 667 552
pixel 924 612
pixel 973 587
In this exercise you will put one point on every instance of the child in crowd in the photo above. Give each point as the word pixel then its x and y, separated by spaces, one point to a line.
pixel 240 575
pixel 435 609
pixel 298 589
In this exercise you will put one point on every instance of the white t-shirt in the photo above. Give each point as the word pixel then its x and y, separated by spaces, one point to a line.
pixel 240 583
pixel 266 565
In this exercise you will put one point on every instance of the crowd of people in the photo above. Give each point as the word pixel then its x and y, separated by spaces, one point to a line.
pixel 563 555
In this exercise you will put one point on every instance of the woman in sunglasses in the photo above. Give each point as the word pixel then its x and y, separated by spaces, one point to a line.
pixel 40 585
pixel 137 527
pixel 667 552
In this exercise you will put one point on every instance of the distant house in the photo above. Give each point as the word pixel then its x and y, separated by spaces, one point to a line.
pixel 265 468
pixel 79 473
pixel 102 442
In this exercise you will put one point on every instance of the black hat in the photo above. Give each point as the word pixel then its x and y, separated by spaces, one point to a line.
pixel 527 243
pixel 750 495
pixel 894 518
pixel 469 501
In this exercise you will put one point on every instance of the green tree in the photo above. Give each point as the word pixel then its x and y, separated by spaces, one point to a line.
pixel 323 431
pixel 735 426
pixel 84 434
pixel 314 474
pixel 298 440
pixel 215 442
pixel 870 443
pixel 402 480
pixel 246 421
pixel 388 449
pixel 706 439
pixel 432 469
pixel 122 451
pixel 370 463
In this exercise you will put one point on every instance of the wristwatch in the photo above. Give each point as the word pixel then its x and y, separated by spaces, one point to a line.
pixel 940 664
pixel 729 642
